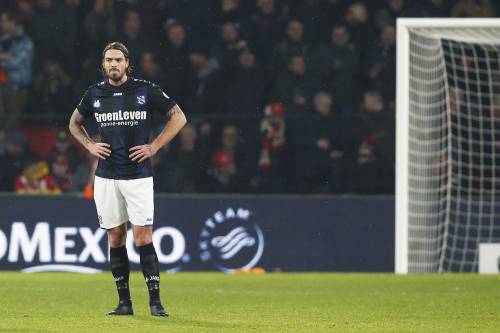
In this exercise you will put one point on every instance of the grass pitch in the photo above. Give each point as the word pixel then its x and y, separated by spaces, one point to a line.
pixel 214 302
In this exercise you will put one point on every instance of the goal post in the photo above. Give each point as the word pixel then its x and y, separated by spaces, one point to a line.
pixel 448 125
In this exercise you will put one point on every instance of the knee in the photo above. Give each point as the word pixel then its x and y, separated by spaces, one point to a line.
pixel 143 238
pixel 117 236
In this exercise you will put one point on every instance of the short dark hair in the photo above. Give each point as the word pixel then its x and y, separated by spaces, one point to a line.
pixel 11 16
pixel 120 47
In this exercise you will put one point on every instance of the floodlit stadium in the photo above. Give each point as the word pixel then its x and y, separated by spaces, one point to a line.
pixel 249 166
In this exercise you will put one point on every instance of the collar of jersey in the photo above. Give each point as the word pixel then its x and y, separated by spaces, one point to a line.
pixel 120 87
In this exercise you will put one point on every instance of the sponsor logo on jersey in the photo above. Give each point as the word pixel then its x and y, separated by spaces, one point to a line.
pixel 97 104
pixel 141 100
pixel 230 240
pixel 120 115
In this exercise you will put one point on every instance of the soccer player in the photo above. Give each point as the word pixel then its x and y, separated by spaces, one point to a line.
pixel 123 186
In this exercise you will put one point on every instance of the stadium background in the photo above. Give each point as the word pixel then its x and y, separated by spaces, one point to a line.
pixel 282 97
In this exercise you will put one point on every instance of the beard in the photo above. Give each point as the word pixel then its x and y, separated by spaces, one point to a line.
pixel 115 75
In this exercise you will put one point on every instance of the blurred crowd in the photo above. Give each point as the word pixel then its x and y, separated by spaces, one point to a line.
pixel 282 96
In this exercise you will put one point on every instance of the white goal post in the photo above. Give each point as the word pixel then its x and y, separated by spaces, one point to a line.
pixel 447 142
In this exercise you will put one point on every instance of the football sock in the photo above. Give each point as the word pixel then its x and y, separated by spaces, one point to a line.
pixel 151 271
pixel 121 271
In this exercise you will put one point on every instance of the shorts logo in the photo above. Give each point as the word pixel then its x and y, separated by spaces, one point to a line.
pixel 231 240
pixel 141 100
pixel 99 217
pixel 97 104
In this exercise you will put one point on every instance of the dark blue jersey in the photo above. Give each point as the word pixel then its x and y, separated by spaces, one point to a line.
pixel 123 116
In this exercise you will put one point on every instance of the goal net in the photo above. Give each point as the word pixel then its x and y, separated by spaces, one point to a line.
pixel 448 143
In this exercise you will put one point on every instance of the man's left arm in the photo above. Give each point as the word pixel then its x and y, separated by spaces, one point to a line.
pixel 175 122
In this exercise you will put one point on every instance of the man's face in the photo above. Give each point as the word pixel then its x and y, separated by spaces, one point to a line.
pixel 295 31
pixel 148 64
pixel 198 60
pixel 229 33
pixel 44 3
pixel 323 104
pixel 132 22
pixel 7 25
pixel 247 59
pixel 340 36
pixel 115 65
pixel 372 102
pixel 229 137
pixel 297 66
pixel 177 35
pixel 389 36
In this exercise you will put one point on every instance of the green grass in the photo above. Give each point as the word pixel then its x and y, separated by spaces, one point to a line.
pixel 213 302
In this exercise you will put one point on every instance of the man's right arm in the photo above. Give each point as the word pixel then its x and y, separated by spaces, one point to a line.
pixel 101 150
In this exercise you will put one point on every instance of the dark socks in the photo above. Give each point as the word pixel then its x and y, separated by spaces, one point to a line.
pixel 121 271
pixel 151 271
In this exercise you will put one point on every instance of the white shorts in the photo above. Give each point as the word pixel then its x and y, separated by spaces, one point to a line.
pixel 121 200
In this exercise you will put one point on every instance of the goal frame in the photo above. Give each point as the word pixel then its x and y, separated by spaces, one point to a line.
pixel 403 118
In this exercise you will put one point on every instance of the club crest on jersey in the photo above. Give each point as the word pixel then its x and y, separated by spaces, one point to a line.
pixel 141 100
pixel 97 104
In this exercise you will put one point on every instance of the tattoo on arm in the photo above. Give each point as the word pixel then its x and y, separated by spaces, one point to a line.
pixel 77 130
pixel 173 111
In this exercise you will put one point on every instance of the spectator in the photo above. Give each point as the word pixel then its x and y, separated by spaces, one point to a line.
pixel 357 21
pixel 274 165
pixel 72 11
pixel 150 70
pixel 292 45
pixel 63 160
pixel 229 11
pixel 382 72
pixel 337 65
pixel 24 11
pixel 174 60
pixel 223 176
pixel 243 155
pixel 15 158
pixel 295 87
pixel 373 170
pixel 98 26
pixel 16 57
pixel 226 52
pixel 180 170
pixel 52 92
pixel 392 9
pixel 267 24
pixel 320 159
pixel 204 93
pixel 246 90
pixel 473 8
pixel 437 8
pixel 48 29
pixel 36 179
pixel 131 35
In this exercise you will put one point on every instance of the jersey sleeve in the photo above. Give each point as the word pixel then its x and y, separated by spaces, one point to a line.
pixel 85 106
pixel 159 101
